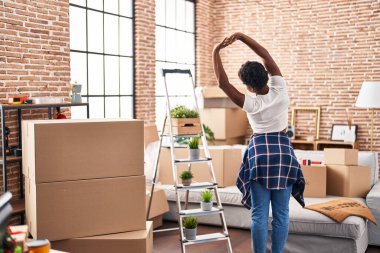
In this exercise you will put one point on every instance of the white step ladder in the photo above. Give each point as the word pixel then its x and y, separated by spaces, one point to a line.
pixel 218 210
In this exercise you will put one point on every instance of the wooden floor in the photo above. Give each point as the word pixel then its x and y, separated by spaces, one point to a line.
pixel 168 242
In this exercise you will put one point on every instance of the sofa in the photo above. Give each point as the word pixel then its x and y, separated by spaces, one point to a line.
pixel 309 231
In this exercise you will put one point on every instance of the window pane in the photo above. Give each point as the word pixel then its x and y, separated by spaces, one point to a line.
pixel 78 66
pixel 126 39
pixel 95 31
pixel 96 107
pixel 95 74
pixel 126 8
pixel 190 49
pixel 78 2
pixel 160 86
pixel 111 38
pixel 79 112
pixel 182 50
pixel 126 107
pixel 160 12
pixel 77 28
pixel 171 45
pixel 112 75
pixel 181 15
pixel 95 4
pixel 111 6
pixel 170 13
pixel 160 112
pixel 189 16
pixel 126 76
pixel 112 107
pixel 160 43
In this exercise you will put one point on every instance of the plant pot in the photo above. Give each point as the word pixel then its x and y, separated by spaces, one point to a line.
pixel 206 206
pixel 194 154
pixel 186 182
pixel 190 234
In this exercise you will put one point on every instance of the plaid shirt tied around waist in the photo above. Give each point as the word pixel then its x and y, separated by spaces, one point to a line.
pixel 270 160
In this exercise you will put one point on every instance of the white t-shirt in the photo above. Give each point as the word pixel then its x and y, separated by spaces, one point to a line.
pixel 268 113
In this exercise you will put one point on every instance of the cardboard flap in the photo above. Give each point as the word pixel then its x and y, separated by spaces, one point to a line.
pixel 150 135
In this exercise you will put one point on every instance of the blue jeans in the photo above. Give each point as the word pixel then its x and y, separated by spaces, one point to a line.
pixel 279 199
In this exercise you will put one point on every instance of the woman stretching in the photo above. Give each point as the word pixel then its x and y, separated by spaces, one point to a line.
pixel 270 171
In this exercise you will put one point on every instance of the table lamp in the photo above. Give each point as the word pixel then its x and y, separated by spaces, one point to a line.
pixel 369 97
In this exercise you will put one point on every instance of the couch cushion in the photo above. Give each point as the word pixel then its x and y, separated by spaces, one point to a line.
pixel 301 220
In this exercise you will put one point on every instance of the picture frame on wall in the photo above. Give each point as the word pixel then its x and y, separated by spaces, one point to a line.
pixel 341 132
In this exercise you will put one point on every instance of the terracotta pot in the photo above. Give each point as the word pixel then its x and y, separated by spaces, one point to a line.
pixel 186 182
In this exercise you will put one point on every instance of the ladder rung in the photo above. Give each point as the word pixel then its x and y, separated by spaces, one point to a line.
pixel 182 135
pixel 201 185
pixel 200 160
pixel 206 238
pixel 200 212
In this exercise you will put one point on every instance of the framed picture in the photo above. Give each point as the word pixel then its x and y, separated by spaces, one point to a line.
pixel 344 133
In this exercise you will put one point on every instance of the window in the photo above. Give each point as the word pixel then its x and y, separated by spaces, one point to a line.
pixel 175 48
pixel 101 57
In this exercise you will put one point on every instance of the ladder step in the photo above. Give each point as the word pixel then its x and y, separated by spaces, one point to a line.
pixel 183 135
pixel 188 161
pixel 202 185
pixel 206 238
pixel 200 212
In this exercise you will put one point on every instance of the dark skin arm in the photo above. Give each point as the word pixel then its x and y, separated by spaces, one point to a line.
pixel 221 76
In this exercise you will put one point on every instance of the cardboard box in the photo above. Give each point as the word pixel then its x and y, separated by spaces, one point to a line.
pixel 63 210
pixel 340 156
pixel 159 206
pixel 225 123
pixel 315 178
pixel 62 150
pixel 229 141
pixel 348 181
pixel 216 92
pixel 134 242
pixel 150 135
pixel 226 162
pixel 159 203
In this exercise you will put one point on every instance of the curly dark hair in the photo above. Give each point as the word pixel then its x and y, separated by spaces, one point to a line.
pixel 254 74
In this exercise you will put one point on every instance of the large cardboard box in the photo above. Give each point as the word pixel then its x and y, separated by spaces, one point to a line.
pixel 63 210
pixel 226 162
pixel 140 241
pixel 340 156
pixel 348 181
pixel 315 178
pixel 62 150
pixel 225 123
pixel 229 141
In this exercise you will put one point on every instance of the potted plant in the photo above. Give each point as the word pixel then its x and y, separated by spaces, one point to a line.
pixel 190 227
pixel 194 148
pixel 185 121
pixel 186 177
pixel 206 203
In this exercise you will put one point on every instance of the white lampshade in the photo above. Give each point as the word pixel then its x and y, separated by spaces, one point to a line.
pixel 369 95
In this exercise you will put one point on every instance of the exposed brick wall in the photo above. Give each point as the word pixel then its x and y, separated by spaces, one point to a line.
pixel 34 59
pixel 325 50
pixel 145 60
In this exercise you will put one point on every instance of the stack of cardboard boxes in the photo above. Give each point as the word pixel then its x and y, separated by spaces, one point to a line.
pixel 340 176
pixel 228 122
pixel 344 176
pixel 85 185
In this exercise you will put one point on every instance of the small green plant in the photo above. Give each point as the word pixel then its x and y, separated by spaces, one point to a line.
pixel 206 196
pixel 187 174
pixel 190 222
pixel 209 133
pixel 194 143
pixel 181 111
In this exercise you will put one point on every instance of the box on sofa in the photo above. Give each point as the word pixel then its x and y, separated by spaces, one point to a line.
pixel 348 181
pixel 340 156
pixel 315 178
